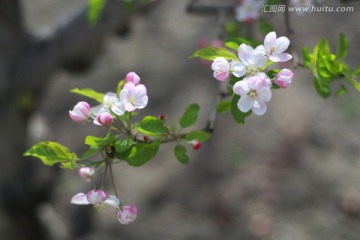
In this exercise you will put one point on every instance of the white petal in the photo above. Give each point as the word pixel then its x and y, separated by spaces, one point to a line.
pixel 80 199
pixel 282 43
pixel 258 59
pixel 259 108
pixel 238 68
pixel 264 94
pixel 270 40
pixel 118 108
pixel 241 88
pixel 112 201
pixel 245 103
pixel 142 102
pixel 280 57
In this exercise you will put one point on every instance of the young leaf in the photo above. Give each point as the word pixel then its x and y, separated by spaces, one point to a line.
pixel 223 106
pixel 180 154
pixel 123 145
pixel 87 92
pixel 342 48
pixel 152 126
pixel 198 135
pixel 190 116
pixel 120 86
pixel 341 91
pixel 94 10
pixel 210 53
pixel 306 57
pixel 323 90
pixel 238 116
pixel 141 153
pixel 51 153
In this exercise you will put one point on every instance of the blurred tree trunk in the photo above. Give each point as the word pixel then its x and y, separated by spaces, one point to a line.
pixel 26 67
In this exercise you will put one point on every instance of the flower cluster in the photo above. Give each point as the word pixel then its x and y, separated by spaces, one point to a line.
pixel 132 96
pixel 98 198
pixel 255 86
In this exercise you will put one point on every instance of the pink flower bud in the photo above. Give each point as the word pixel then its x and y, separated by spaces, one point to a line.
pixel 132 77
pixel 196 145
pixel 104 118
pixel 80 112
pixel 96 196
pixel 127 214
pixel 284 77
pixel 86 173
pixel 221 68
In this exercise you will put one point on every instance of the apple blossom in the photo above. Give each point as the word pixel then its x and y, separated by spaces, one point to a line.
pixel 275 47
pixel 127 214
pixel 221 68
pixel 254 94
pixel 80 112
pixel 132 77
pixel 86 173
pixel 284 78
pixel 249 10
pixel 251 60
pixel 91 197
pixel 104 118
pixel 133 97
pixel 112 201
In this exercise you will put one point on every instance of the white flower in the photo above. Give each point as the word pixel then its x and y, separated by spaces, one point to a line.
pixel 254 94
pixel 251 60
pixel 249 10
pixel 275 47
pixel 133 97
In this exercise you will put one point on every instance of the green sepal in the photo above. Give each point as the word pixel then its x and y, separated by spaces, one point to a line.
pixel 210 53
pixel 90 93
pixel 120 87
pixel 152 126
pixel 180 154
pixel 190 116
pixel 51 153
pixel 238 116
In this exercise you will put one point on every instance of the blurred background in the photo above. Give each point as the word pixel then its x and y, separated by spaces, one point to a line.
pixel 292 174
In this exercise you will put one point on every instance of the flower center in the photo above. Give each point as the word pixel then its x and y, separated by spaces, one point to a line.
pixel 251 69
pixel 132 100
pixel 272 50
pixel 252 94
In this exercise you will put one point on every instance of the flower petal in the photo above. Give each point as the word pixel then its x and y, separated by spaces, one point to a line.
pixel 112 201
pixel 237 68
pixel 259 108
pixel 245 103
pixel 80 199
pixel 282 43
pixel 280 57
pixel 241 88
pixel 270 40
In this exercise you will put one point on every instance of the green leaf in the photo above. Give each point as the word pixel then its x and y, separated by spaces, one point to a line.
pixel 90 152
pixel 51 153
pixel 198 135
pixel 124 145
pixel 152 126
pixel 210 53
pixel 180 154
pixel 232 45
pixel 238 116
pixel 322 90
pixel 141 153
pixel 342 48
pixel 223 106
pixel 100 142
pixel 94 10
pixel 87 92
pixel 239 41
pixel 190 116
